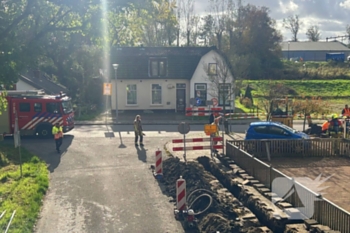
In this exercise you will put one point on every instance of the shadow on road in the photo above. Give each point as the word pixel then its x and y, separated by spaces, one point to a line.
pixel 141 153
pixel 45 149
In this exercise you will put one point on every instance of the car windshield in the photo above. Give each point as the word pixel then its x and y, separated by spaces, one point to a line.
pixel 67 106
pixel 288 128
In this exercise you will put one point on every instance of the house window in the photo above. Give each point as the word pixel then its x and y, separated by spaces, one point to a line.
pixel 224 94
pixel 212 69
pixel 24 107
pixel 158 67
pixel 38 107
pixel 131 94
pixel 156 94
pixel 200 90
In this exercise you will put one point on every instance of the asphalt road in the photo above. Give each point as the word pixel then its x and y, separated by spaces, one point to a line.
pixel 102 183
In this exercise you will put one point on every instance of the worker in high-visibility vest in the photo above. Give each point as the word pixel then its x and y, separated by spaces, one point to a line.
pixel 325 126
pixel 57 132
pixel 138 130
pixel 346 111
pixel 217 133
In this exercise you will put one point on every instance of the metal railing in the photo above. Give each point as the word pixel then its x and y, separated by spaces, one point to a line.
pixel 320 147
pixel 313 204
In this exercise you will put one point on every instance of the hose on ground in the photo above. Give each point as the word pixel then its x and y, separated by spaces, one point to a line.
pixel 207 194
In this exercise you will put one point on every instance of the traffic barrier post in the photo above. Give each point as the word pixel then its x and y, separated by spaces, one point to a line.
pixel 159 164
pixel 181 194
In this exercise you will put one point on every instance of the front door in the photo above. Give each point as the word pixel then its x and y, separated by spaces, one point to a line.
pixel 181 99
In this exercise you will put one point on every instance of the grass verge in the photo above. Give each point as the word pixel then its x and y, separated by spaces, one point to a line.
pixel 21 194
pixel 87 116
pixel 322 88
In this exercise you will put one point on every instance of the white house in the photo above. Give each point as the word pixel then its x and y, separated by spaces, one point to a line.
pixel 167 78
pixel 36 81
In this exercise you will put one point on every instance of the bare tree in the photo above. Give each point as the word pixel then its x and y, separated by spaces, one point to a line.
pixel 188 12
pixel 222 83
pixel 220 15
pixel 313 33
pixel 178 19
pixel 293 24
pixel 207 29
pixel 196 30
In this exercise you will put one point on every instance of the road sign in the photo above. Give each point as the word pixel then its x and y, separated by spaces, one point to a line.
pixel 209 129
pixel 107 89
pixel 183 128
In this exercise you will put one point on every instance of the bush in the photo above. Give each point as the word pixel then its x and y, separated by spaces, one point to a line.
pixel 246 102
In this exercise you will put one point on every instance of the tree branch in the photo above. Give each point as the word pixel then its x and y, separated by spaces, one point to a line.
pixel 16 21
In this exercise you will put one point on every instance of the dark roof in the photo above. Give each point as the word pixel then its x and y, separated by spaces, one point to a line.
pixel 134 61
pixel 43 83
pixel 315 46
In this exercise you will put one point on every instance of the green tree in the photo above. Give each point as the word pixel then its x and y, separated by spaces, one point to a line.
pixel 256 43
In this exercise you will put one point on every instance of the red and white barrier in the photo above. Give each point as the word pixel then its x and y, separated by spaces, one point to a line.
pixel 159 163
pixel 202 111
pixel 181 194
pixel 215 139
pixel 197 148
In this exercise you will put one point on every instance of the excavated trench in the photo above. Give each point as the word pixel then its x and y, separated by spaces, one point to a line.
pixel 226 214
pixel 236 207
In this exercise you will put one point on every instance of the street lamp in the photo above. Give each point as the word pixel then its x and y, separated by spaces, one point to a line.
pixel 115 67
pixel 288 50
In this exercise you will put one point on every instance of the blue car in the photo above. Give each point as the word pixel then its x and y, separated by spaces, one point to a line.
pixel 272 130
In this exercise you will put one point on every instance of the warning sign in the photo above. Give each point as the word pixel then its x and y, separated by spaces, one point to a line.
pixel 209 129
pixel 107 89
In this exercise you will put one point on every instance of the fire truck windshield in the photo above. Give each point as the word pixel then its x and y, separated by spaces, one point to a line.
pixel 67 106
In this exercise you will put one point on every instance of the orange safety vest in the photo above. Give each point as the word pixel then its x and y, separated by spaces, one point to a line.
pixel 58 135
pixel 346 111
pixel 325 126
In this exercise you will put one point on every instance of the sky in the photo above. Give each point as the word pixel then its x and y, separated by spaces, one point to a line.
pixel 331 16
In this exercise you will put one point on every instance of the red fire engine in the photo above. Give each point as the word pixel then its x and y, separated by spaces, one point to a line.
pixel 36 112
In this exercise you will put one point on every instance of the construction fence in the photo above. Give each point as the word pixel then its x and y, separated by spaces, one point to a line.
pixel 318 208
pixel 206 111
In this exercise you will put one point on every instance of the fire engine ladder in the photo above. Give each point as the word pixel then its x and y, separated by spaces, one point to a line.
pixel 25 93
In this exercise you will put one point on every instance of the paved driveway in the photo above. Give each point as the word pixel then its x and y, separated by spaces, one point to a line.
pixel 102 184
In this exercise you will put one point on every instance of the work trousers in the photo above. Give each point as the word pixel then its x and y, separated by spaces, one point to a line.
pixel 58 143
pixel 137 137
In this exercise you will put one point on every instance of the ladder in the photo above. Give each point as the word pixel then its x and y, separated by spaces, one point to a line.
pixel 29 93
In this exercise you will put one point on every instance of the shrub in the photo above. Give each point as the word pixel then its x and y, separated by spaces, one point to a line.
pixel 247 102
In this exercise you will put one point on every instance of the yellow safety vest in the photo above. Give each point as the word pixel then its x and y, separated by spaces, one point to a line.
pixel 57 132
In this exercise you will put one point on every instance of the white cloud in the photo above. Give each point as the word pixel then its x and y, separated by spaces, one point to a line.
pixel 289 7
pixel 345 4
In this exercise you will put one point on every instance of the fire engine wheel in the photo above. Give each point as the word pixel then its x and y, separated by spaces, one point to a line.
pixel 43 131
